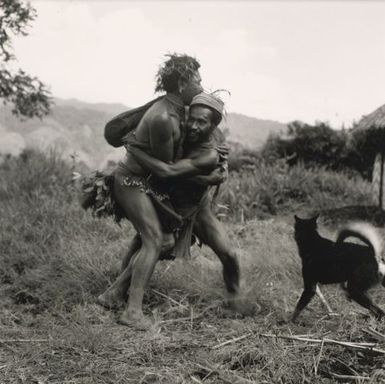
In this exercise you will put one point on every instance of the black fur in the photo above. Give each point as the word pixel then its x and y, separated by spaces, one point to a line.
pixel 327 262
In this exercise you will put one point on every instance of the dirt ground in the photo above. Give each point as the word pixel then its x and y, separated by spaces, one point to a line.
pixel 190 342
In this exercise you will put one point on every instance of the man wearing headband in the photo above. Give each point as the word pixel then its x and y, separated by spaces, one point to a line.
pixel 189 179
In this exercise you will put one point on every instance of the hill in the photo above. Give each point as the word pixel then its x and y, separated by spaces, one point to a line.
pixel 250 131
pixel 75 128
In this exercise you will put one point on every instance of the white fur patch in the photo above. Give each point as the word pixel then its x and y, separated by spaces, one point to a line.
pixel 381 268
pixel 370 232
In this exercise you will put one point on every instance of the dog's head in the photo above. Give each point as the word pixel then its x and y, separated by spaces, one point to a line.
pixel 305 226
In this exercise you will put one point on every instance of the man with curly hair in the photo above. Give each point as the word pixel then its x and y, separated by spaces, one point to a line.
pixel 158 134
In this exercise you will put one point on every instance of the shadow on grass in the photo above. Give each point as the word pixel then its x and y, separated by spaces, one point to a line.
pixel 372 214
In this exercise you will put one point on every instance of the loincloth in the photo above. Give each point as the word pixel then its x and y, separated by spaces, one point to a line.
pixel 185 236
pixel 97 194
pixel 143 183
pixel 169 219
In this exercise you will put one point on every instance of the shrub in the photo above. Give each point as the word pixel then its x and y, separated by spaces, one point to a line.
pixel 351 150
pixel 312 145
pixel 52 251
pixel 266 189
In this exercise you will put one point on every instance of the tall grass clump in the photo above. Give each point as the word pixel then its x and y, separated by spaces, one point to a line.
pixel 53 253
pixel 264 189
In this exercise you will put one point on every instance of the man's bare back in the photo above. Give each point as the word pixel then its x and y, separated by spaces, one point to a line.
pixel 158 133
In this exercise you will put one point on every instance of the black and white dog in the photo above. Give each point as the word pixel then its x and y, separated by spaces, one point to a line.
pixel 325 261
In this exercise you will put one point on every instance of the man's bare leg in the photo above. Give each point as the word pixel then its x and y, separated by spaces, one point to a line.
pixel 116 294
pixel 133 247
pixel 211 232
pixel 140 211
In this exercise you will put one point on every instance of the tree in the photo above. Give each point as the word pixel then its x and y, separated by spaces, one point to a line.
pixel 28 95
pixel 316 144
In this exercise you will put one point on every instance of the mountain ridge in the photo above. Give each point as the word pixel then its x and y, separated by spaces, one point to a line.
pixel 77 127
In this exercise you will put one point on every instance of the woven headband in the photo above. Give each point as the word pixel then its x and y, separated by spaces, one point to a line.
pixel 208 100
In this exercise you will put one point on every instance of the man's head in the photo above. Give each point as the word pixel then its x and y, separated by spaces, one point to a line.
pixel 180 75
pixel 204 116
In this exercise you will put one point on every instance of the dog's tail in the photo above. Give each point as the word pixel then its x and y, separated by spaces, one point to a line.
pixel 369 235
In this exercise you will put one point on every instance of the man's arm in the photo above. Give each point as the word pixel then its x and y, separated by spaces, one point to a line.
pixel 216 177
pixel 161 134
pixel 203 164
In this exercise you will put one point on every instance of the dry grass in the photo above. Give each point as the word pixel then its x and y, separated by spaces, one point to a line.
pixel 82 343
pixel 56 259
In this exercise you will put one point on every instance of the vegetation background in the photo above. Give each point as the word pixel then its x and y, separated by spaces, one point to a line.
pixel 56 259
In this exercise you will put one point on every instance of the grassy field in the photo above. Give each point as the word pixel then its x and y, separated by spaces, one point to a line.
pixel 56 258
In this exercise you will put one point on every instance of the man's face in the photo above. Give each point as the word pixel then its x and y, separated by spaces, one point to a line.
pixel 192 88
pixel 199 124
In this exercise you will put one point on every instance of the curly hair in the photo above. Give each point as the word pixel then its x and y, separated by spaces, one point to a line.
pixel 178 66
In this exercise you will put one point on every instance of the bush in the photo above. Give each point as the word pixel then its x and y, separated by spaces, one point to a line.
pixel 52 251
pixel 312 145
pixel 241 157
pixel 266 189
pixel 351 150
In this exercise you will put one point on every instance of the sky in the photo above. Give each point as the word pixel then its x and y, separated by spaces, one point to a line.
pixel 280 60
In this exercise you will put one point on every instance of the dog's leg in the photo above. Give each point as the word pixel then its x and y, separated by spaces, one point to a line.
pixel 307 295
pixel 324 302
pixel 363 299
pixel 344 286
pixel 361 280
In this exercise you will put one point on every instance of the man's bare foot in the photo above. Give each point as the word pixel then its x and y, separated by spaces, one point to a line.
pixel 110 300
pixel 135 320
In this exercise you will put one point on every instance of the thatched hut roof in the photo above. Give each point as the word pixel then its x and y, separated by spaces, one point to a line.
pixel 374 119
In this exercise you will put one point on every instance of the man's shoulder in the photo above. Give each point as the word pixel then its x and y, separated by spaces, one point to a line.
pixel 159 114
pixel 208 158
pixel 206 152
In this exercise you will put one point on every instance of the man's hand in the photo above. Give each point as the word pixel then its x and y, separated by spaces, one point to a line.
pixel 223 152
pixel 216 177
